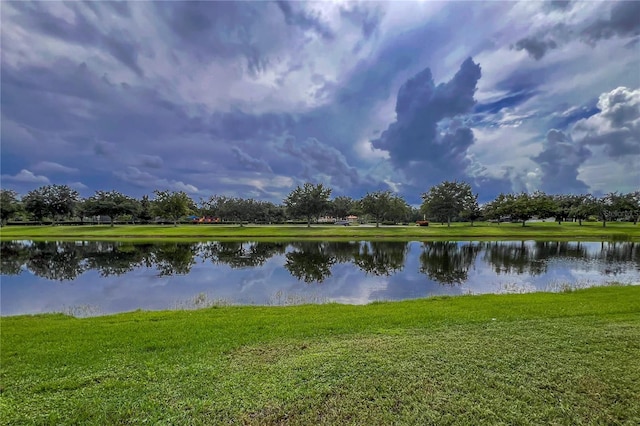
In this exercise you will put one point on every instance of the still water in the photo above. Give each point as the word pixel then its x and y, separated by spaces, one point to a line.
pixel 92 278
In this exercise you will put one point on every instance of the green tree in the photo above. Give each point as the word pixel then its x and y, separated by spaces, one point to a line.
pixel 471 210
pixel 544 206
pixel 9 204
pixel 377 204
pixel 583 206
pixel 308 201
pixel 144 211
pixel 341 207
pixel 111 204
pixel 399 210
pixel 172 205
pixel 605 207
pixel 54 201
pixel 495 210
pixel 520 207
pixel 564 205
pixel 446 200
pixel 633 198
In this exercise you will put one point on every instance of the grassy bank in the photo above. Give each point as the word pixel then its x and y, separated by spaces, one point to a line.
pixel 534 230
pixel 568 358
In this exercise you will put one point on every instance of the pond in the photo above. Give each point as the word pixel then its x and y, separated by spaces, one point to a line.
pixel 100 277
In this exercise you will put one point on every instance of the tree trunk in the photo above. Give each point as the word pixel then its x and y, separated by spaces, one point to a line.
pixel 111 218
pixel 580 222
pixel 448 222
pixel 175 223
pixel 604 223
pixel 523 222
pixel 308 221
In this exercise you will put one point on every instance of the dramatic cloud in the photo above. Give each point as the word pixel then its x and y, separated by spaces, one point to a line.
pixel 321 163
pixel 414 141
pixel 559 163
pixel 304 20
pixel 617 127
pixel 614 130
pixel 254 98
pixel 82 28
pixel 249 162
pixel 142 179
pixel 622 22
pixel 536 47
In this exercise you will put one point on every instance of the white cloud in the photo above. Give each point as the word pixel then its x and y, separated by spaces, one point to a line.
pixel 136 177
pixel 26 176
pixel 52 167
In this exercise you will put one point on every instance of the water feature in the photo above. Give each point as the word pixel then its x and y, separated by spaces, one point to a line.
pixel 99 277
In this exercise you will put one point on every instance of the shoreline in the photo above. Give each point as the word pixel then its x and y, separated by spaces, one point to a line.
pixel 482 231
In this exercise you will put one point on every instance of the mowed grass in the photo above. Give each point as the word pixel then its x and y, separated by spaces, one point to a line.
pixel 534 230
pixel 564 358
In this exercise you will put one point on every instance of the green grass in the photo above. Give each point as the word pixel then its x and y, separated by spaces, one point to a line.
pixel 563 358
pixel 535 230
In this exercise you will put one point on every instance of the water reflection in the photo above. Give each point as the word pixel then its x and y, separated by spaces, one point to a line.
pixel 241 254
pixel 448 262
pixel 252 272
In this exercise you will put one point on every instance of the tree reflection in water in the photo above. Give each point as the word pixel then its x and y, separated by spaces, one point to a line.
pixel 515 258
pixel 443 262
pixel 241 254
pixel 448 262
pixel 174 258
pixel 116 259
pixel 310 261
pixel 381 257
pixel 57 261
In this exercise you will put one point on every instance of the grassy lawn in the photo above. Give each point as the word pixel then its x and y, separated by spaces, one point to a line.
pixel 565 358
pixel 533 230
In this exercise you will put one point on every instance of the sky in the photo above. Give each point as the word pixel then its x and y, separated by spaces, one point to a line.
pixel 251 99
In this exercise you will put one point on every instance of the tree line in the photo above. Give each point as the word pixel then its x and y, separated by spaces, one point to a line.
pixel 447 202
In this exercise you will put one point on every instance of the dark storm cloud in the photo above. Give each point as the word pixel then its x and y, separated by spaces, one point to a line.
pixel 558 4
pixel 72 98
pixel 623 21
pixel 304 20
pixel 538 45
pixel 81 31
pixel 414 136
pixel 238 125
pixel 559 162
pixel 218 30
pixel 535 47
pixel 73 117
pixel 150 161
pixel 317 159
pixel 250 163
